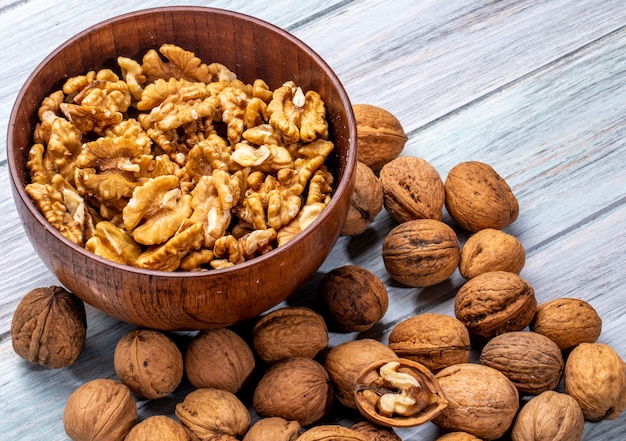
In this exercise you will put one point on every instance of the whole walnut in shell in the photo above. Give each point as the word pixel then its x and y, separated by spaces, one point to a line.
pixel 567 321
pixel 481 400
pixel 288 332
pixel 49 327
pixel 477 197
pixel 595 375
pixel 434 340
pixel 380 136
pixel 273 428
pixel 374 432
pixel 99 410
pixel 209 413
pixel 458 436
pixel 491 250
pixel 421 252
pixel 356 298
pixel 157 427
pixel 495 302
pixel 366 201
pixel 148 362
pixel 345 362
pixel 218 358
pixel 550 416
pixel 531 361
pixel 296 389
pixel 331 432
pixel 412 189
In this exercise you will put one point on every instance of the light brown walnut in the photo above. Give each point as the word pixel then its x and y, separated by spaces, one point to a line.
pixel 99 410
pixel 491 250
pixel 380 136
pixel 296 389
pixel 421 252
pixel 331 432
pixel 49 327
pixel 366 202
pixel 218 358
pixel 288 332
pixel 345 362
pixel 158 427
pixel 495 302
pixel 477 197
pixel 273 428
pixel 209 413
pixel 434 340
pixel 412 189
pixel 457 436
pixel 148 362
pixel 550 416
pixel 481 401
pixel 356 298
pixel 531 361
pixel 595 375
pixel 568 322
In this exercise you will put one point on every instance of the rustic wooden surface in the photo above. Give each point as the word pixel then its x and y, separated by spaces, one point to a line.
pixel 535 88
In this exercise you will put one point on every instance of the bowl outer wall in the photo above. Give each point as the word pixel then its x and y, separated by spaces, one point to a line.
pixel 252 49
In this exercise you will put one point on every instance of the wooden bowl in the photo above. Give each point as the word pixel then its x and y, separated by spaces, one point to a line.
pixel 196 300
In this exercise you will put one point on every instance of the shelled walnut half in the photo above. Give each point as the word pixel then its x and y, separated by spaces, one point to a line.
pixel 398 393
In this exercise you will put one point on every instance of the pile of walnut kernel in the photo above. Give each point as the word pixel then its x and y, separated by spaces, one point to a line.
pixel 178 165
pixel 422 375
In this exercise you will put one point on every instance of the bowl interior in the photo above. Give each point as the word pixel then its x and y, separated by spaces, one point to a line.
pixel 252 49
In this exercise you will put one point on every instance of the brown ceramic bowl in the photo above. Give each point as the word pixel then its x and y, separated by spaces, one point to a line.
pixel 200 300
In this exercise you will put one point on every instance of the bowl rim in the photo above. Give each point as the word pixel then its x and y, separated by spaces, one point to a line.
pixel 351 159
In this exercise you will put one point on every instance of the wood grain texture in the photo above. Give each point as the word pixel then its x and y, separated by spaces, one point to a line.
pixel 536 88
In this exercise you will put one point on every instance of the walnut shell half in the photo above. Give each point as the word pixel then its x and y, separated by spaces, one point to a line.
pixel 49 327
pixel 398 393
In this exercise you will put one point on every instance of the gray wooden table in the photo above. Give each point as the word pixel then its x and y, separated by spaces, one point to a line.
pixel 536 88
